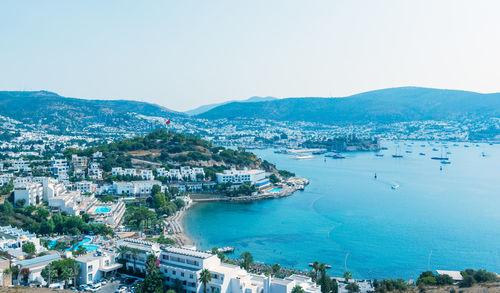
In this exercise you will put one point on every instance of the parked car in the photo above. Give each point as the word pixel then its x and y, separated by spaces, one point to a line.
pixel 82 287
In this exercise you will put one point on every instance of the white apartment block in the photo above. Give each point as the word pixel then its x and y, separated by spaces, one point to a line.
pixel 241 176
pixel 5 178
pixel 19 165
pixel 185 265
pixel 95 266
pixel 144 174
pixel 30 192
pixel 95 172
pixel 85 186
pixel 79 162
pixel 184 173
pixel 135 187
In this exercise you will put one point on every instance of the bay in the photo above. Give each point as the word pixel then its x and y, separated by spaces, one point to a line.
pixel 445 219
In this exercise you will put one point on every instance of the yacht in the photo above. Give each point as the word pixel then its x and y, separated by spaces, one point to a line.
pixel 395 186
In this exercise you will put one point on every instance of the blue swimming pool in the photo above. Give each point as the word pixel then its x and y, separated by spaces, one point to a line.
pixel 102 210
pixel 89 247
pixel 275 190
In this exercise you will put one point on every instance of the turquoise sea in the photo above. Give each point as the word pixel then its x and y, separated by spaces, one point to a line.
pixel 437 219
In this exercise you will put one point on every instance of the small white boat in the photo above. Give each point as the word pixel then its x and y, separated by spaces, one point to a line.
pixel 395 186
pixel 304 157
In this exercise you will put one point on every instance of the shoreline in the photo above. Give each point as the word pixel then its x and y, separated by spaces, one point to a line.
pixel 177 221
pixel 286 189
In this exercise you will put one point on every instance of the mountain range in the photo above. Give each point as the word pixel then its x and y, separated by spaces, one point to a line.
pixel 383 106
pixel 54 112
pixel 205 108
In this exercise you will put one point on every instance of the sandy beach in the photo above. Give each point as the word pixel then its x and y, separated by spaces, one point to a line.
pixel 175 223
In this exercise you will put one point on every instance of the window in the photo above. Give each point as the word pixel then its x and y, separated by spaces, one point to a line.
pixel 191 276
pixel 89 267
pixel 89 277
pixel 182 274
pixel 173 272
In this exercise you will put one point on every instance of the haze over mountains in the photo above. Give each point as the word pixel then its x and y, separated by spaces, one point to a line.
pixel 383 106
pixel 58 113
pixel 54 112
pixel 205 108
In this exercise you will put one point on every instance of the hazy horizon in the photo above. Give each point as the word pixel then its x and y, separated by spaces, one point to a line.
pixel 184 55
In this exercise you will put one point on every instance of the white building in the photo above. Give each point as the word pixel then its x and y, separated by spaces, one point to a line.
pixel 95 266
pixel 36 265
pixel 94 171
pixel 30 192
pixel 135 187
pixel 5 178
pixel 12 237
pixel 85 186
pixel 184 173
pixel 254 176
pixel 181 265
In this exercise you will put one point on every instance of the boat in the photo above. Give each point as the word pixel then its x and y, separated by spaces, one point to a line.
pixel 303 157
pixel 326 266
pixel 483 154
pixel 445 162
pixel 379 155
pixel 422 154
pixel 397 154
pixel 395 186
pixel 318 152
pixel 409 152
pixel 375 176
pixel 435 149
pixel 336 156
pixel 440 158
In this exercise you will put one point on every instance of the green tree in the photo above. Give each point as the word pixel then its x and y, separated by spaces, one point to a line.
pixel 134 253
pixel 153 282
pixel 155 189
pixel 315 268
pixel 347 275
pixel 159 200
pixel 352 287
pixel 297 289
pixel 205 278
pixel 467 281
pixel 246 260
pixel 29 248
pixel 276 269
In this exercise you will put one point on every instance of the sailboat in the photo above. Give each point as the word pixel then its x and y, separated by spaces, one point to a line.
pixel 441 158
pixel 397 155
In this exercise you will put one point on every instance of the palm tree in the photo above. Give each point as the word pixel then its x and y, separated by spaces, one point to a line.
pixel 247 259
pixel 347 275
pixel 205 277
pixel 276 269
pixel 315 267
pixel 134 253
pixel 122 250
pixel 76 272
pixel 297 289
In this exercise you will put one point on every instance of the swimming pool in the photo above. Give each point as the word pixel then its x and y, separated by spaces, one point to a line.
pixel 89 247
pixel 275 190
pixel 102 210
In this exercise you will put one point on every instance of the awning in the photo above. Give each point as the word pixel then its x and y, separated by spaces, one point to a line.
pixel 111 268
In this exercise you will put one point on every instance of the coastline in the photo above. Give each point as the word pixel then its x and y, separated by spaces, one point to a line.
pixel 177 221
pixel 286 189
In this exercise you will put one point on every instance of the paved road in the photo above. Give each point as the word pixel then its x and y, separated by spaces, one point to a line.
pixel 110 287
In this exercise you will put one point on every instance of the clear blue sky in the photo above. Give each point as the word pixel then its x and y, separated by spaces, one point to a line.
pixel 182 54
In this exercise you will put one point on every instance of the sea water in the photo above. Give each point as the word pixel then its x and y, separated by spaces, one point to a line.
pixel 441 217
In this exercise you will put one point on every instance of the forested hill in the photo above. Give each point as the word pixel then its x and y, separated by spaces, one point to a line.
pixel 171 150
pixel 50 111
pixel 382 106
